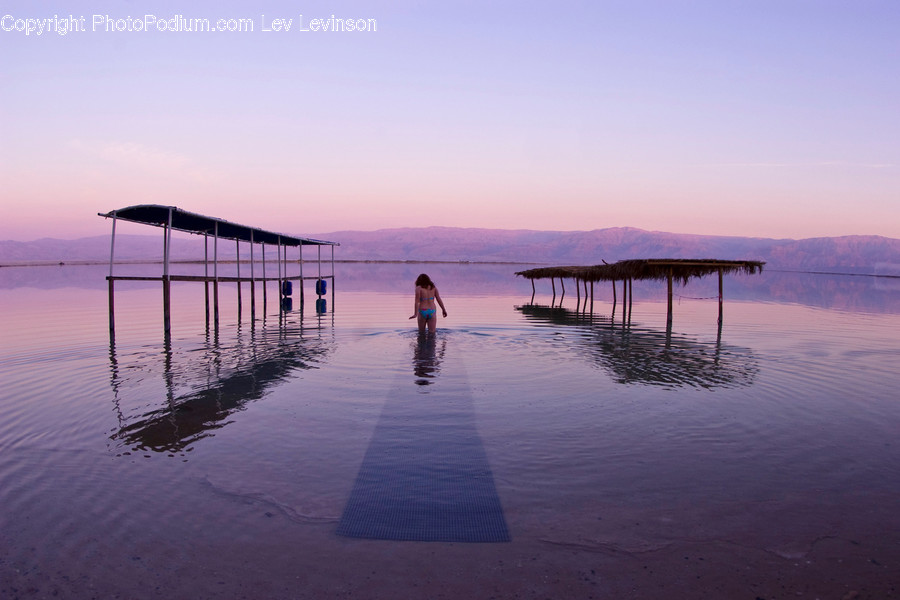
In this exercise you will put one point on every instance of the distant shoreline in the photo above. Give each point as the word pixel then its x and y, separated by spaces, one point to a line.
pixel 82 263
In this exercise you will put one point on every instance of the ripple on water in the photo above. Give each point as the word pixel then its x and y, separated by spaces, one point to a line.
pixel 575 412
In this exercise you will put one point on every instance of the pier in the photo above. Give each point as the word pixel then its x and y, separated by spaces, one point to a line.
pixel 172 218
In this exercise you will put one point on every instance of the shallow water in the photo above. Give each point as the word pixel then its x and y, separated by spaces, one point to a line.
pixel 126 459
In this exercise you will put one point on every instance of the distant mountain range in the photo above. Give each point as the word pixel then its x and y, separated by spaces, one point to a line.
pixel 847 254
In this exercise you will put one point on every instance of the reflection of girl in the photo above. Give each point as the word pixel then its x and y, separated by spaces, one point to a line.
pixel 425 309
pixel 427 356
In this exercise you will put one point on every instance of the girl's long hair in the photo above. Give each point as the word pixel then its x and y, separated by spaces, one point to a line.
pixel 424 281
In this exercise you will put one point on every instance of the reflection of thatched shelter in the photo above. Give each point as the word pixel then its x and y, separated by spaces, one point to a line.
pixel 667 269
pixel 645 356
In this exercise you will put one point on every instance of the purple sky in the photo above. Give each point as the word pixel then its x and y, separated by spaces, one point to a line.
pixel 761 118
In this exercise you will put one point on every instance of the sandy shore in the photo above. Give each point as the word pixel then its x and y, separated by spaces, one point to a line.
pixel 629 554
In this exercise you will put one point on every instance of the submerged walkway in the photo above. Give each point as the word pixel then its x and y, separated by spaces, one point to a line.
pixel 426 476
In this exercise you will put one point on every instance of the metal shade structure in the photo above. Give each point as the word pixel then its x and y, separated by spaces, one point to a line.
pixel 172 218
pixel 182 220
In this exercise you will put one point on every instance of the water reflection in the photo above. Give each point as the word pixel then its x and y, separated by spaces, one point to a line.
pixel 634 354
pixel 831 291
pixel 427 356
pixel 218 379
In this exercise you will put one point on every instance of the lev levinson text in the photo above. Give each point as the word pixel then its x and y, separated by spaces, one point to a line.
pixel 180 24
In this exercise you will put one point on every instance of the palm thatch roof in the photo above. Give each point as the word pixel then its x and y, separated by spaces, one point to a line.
pixel 682 269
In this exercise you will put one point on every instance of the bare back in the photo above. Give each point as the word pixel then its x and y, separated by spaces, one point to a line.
pixel 425 297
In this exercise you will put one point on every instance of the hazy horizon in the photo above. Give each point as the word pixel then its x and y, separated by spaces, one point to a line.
pixel 145 231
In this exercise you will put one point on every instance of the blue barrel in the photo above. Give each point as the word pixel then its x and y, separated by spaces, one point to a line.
pixel 287 288
pixel 321 306
pixel 287 304
pixel 321 286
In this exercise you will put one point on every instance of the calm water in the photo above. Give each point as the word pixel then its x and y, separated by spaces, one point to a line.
pixel 221 461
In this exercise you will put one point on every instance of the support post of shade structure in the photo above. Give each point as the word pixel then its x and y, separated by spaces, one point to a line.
pixel 206 275
pixel 265 279
pixel 216 276
pixel 252 282
pixel 170 219
pixel 237 258
pixel 167 292
pixel 112 253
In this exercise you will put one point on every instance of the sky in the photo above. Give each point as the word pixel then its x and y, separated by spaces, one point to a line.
pixel 764 118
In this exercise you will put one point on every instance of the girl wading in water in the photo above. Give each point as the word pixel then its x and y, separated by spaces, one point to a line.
pixel 425 309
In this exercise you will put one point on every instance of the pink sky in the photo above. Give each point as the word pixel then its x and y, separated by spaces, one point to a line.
pixel 770 119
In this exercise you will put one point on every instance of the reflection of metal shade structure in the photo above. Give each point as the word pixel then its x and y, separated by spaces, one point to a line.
pixel 192 416
pixel 638 355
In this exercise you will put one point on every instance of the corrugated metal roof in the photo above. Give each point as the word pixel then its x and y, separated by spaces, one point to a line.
pixel 182 220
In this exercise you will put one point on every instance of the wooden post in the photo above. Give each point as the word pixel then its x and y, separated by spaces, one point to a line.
pixel 533 291
pixel 592 297
pixel 553 284
pixel 614 297
pixel 585 284
pixel 720 298
pixel 112 306
pixel 630 297
pixel 167 314
pixel 669 303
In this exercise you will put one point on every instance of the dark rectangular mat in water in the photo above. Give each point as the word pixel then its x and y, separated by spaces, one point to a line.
pixel 425 475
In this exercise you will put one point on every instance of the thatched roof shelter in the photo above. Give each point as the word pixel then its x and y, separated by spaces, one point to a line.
pixel 682 269
pixel 666 269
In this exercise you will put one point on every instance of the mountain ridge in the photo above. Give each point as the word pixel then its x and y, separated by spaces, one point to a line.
pixel 868 254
